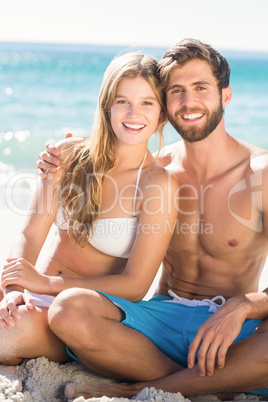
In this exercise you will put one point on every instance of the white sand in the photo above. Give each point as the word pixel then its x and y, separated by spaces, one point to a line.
pixel 44 381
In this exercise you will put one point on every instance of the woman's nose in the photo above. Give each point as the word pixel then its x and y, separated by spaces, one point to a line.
pixel 133 110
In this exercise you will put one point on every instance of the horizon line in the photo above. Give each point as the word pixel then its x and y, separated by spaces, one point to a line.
pixel 121 46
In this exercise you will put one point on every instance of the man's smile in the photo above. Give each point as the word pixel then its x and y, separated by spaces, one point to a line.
pixel 192 116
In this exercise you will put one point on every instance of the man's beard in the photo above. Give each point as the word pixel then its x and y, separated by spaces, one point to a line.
pixel 194 134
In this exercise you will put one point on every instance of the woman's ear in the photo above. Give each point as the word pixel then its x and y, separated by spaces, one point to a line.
pixel 163 117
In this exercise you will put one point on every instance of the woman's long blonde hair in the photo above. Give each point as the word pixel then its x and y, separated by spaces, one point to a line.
pixel 80 193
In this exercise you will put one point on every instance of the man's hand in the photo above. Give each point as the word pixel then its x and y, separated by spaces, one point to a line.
pixel 20 272
pixel 49 160
pixel 8 307
pixel 216 335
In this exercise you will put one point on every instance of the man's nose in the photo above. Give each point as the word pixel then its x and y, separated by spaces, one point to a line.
pixel 189 98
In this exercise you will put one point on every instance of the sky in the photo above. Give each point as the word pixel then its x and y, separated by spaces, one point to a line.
pixel 225 24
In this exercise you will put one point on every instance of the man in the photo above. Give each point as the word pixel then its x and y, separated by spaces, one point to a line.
pixel 217 253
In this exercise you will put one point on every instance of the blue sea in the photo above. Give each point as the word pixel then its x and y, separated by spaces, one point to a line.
pixel 48 90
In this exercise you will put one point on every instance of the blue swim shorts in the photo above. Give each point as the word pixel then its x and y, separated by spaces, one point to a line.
pixel 172 325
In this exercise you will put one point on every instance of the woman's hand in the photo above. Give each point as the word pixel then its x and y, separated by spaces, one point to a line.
pixel 9 309
pixel 20 272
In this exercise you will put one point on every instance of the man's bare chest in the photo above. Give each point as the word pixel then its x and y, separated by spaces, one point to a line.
pixel 218 217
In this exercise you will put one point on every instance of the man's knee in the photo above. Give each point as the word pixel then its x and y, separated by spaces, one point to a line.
pixel 75 302
pixel 80 314
pixel 69 309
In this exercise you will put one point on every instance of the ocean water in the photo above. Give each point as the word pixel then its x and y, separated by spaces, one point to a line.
pixel 47 91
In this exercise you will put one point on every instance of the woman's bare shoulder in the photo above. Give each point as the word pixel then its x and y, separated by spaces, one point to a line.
pixel 157 174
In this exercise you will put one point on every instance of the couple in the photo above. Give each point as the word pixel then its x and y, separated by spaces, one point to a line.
pixel 206 325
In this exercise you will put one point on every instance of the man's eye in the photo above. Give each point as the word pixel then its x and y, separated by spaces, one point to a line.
pixel 176 91
pixel 201 88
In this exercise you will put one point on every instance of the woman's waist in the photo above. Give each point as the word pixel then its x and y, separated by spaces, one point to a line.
pixel 78 266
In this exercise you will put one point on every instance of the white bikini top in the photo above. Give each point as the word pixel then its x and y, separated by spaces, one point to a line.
pixel 112 236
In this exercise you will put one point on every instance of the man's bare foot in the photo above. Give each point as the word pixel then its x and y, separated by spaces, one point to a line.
pixel 8 369
pixel 76 389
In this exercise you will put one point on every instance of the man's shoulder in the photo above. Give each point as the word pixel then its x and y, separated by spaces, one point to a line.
pixel 256 166
pixel 167 153
pixel 69 146
pixel 258 157
pixel 68 143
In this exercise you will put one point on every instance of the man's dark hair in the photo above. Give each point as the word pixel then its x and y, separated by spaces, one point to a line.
pixel 190 49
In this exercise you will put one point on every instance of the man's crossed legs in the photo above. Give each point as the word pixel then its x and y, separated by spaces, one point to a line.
pixel 101 336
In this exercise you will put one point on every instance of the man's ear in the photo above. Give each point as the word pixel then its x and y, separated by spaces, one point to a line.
pixel 226 96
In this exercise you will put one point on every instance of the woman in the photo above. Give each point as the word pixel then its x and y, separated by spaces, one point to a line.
pixel 113 207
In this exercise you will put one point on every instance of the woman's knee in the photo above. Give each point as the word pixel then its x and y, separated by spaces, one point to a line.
pixel 19 341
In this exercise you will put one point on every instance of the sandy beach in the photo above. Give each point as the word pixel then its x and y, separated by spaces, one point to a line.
pixel 45 381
